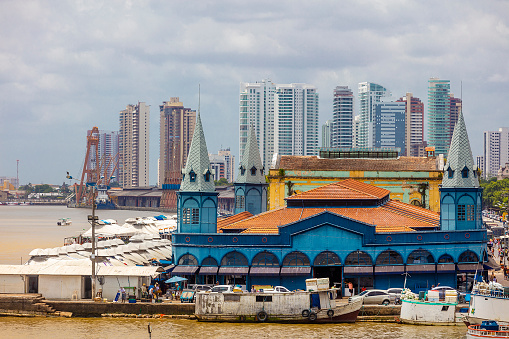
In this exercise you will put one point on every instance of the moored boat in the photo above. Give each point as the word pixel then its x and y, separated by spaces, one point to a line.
pixel 488 301
pixel 64 222
pixel 488 329
pixel 430 310
pixel 293 307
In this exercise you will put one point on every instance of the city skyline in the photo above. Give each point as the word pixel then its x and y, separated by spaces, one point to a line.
pixel 94 58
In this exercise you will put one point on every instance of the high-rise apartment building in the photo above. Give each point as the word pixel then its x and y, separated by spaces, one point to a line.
pixel 443 112
pixel 496 151
pixel 134 135
pixel 223 164
pixel 355 131
pixel 108 152
pixel 369 95
pixel 229 159
pixel 389 125
pixel 176 131
pixel 326 134
pixel 342 117
pixel 285 118
pixel 414 125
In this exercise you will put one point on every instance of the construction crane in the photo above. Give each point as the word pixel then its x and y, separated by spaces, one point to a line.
pixel 90 168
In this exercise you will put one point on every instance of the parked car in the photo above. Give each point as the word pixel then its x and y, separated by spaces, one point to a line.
pixel 221 289
pixel 372 297
pixel 202 288
pixel 277 289
pixel 395 294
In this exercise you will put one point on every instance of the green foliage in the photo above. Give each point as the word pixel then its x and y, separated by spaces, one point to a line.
pixel 495 193
pixel 114 184
pixel 27 188
pixel 221 182
pixel 281 172
pixel 44 188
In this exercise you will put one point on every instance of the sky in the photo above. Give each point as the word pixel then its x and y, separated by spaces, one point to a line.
pixel 66 66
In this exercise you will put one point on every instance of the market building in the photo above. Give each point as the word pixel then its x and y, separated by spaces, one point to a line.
pixel 346 230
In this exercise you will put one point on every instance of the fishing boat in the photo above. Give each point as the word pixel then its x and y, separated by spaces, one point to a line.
pixel 319 306
pixel 488 301
pixel 64 222
pixel 429 309
pixel 488 329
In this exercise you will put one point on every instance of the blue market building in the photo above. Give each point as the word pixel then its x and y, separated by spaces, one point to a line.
pixel 348 231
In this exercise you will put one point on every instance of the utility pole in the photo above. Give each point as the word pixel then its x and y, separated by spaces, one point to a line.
pixel 93 218
pixel 17 173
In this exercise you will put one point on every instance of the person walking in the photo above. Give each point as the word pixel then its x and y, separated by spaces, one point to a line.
pixel 123 294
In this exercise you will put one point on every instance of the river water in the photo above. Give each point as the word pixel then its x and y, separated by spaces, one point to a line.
pixel 23 228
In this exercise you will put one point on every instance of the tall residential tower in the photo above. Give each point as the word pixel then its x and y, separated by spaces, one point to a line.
pixel 369 95
pixel 342 117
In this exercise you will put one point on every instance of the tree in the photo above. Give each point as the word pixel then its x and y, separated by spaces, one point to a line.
pixel 44 188
pixel 221 182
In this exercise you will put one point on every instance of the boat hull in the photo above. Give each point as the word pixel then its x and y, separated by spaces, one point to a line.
pixel 283 308
pixel 429 313
pixel 487 307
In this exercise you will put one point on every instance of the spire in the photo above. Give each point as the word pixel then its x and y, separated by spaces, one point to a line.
pixel 251 167
pixel 460 171
pixel 197 175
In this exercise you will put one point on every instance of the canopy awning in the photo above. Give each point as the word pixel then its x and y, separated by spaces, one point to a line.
pixel 469 267
pixel 295 270
pixel 175 279
pixel 491 265
pixel 264 271
pixel 422 268
pixel 358 270
pixel 390 269
pixel 208 270
pixel 446 268
pixel 184 270
pixel 232 270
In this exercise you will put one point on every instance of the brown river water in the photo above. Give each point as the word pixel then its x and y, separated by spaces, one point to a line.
pixel 23 228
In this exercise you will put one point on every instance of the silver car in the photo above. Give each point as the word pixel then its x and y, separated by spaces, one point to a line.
pixel 372 297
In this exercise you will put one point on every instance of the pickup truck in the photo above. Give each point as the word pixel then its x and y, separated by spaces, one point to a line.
pixel 277 289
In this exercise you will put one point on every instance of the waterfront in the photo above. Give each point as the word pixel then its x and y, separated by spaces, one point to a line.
pixel 162 328
pixel 24 228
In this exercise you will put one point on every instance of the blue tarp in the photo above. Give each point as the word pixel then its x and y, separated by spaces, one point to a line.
pixel 160 217
pixel 175 279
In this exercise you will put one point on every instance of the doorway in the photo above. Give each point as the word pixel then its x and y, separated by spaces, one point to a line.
pixel 87 288
pixel 33 284
pixel 331 272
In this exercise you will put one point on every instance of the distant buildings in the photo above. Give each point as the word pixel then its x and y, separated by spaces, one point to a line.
pixel 369 95
pixel 284 117
pixel 443 112
pixel 223 164
pixel 108 152
pixel 389 125
pixel 496 151
pixel 134 135
pixel 326 134
pixel 342 117
pixel 414 126
pixel 229 160
pixel 176 131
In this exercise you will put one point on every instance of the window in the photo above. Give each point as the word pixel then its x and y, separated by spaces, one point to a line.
pixel 468 256
pixel 450 173
pixel 327 258
pixel 420 256
pixel 470 212
pixel 209 261
pixel 188 259
pixel 296 259
pixel 253 170
pixel 192 176
pixel 389 257
pixel 195 216
pixel 234 259
pixel 186 216
pixel 239 201
pixel 265 259
pixel 242 170
pixel 445 259
pixel 207 176
pixel 358 258
pixel 464 172
pixel 461 212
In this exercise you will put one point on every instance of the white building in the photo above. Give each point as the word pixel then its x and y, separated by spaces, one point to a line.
pixel 369 95
pixel 496 151
pixel 342 117
pixel 284 116
pixel 134 136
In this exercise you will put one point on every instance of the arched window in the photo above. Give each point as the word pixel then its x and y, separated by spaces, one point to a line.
pixel 192 176
pixel 234 259
pixel 206 176
pixel 445 259
pixel 468 256
pixel 296 258
pixel 242 170
pixel 327 258
pixel 209 261
pixel 389 257
pixel 415 202
pixel 464 172
pixel 358 258
pixel 265 259
pixel 450 172
pixel 253 170
pixel 188 260
pixel 420 256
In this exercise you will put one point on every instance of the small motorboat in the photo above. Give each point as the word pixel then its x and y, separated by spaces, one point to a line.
pixel 488 329
pixel 64 222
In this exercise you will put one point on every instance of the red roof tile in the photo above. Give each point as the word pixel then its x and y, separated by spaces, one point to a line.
pixel 348 189
pixel 233 219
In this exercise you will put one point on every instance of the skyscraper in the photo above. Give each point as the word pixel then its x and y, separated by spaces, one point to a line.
pixel 134 138
pixel 229 159
pixel 342 117
pixel 496 151
pixel 326 134
pixel 414 124
pixel 439 112
pixel 369 95
pixel 108 152
pixel 284 117
pixel 176 131
pixel 389 125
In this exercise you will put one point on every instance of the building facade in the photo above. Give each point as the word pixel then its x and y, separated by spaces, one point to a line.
pixel 108 151
pixel 133 139
pixel 229 163
pixel 342 117
pixel 326 134
pixel 176 129
pixel 495 151
pixel 414 125
pixel 390 126
pixel 369 95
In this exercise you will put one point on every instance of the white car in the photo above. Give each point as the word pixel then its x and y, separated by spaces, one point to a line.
pixel 222 289
pixel 277 289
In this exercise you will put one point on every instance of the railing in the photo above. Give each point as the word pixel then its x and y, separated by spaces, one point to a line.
pixel 475 330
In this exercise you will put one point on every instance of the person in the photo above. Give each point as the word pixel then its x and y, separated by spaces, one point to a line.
pixel 350 287
pixel 492 276
pixel 144 291
pixel 363 289
pixel 151 292
pixel 217 283
pixel 123 294
pixel 157 291
pixel 252 289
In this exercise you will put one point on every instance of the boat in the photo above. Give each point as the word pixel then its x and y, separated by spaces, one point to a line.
pixel 428 309
pixel 103 200
pixel 64 222
pixel 488 301
pixel 488 329
pixel 311 306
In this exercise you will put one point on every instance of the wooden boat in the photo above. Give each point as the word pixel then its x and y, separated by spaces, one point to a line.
pixel 488 301
pixel 293 307
pixel 430 310
pixel 64 222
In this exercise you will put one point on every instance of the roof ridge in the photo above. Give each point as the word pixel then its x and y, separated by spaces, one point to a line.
pixel 354 189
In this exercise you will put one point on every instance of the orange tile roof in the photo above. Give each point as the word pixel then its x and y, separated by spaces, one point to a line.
pixel 386 219
pixel 233 219
pixel 348 189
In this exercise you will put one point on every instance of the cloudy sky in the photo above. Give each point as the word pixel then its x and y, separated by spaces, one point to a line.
pixel 66 66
